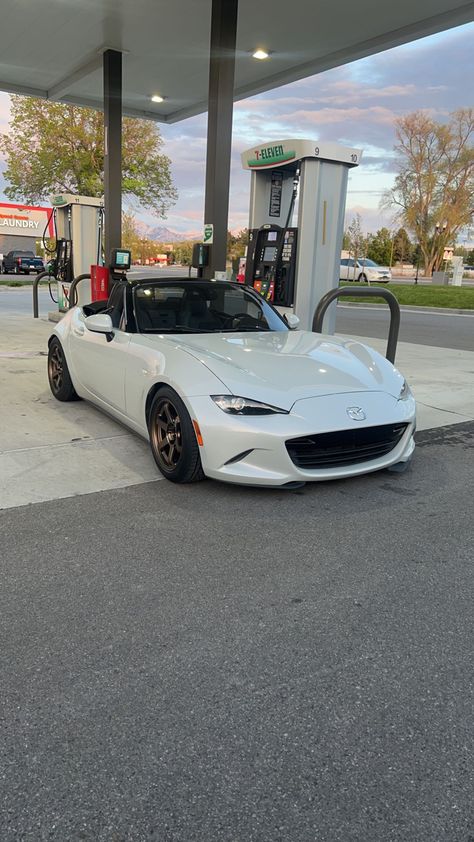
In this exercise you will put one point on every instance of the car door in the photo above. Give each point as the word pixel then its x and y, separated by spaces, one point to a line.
pixel 343 270
pixel 351 270
pixel 99 364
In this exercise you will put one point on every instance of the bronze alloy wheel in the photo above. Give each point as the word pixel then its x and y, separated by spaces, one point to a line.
pixel 173 438
pixel 166 434
pixel 56 367
pixel 58 373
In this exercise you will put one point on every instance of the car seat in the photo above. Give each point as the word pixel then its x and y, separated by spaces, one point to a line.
pixel 196 314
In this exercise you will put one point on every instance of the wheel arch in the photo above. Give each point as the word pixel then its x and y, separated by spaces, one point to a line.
pixel 150 396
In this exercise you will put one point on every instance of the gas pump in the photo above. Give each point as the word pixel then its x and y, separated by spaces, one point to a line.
pixel 78 226
pixel 271 264
pixel 294 266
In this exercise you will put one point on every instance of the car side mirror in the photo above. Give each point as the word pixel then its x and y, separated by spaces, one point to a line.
pixel 100 323
pixel 292 320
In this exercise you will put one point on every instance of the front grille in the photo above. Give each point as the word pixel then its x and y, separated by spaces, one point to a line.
pixel 344 447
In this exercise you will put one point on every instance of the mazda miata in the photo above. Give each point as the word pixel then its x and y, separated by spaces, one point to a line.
pixel 223 386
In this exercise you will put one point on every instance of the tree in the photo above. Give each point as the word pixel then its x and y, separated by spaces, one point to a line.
pixel 183 252
pixel 470 258
pixel 346 242
pixel 130 235
pixel 435 181
pixel 237 243
pixel 402 247
pixel 57 148
pixel 379 247
pixel 357 242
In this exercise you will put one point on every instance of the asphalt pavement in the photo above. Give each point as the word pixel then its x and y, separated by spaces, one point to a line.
pixel 213 664
pixel 210 663
pixel 421 327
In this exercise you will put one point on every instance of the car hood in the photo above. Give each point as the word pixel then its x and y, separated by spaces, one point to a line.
pixel 282 367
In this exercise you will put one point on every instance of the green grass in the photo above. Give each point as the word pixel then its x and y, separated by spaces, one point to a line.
pixel 421 295
pixel 18 283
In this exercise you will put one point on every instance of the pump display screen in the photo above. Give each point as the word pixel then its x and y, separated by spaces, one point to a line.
pixel 269 253
pixel 272 235
pixel 121 259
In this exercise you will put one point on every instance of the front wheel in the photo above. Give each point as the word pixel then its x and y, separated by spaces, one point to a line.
pixel 172 438
pixel 58 374
pixel 362 278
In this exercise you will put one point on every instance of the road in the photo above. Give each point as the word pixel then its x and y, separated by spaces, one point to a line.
pixel 425 328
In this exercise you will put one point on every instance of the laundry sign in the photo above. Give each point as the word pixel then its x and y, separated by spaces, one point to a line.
pixel 25 220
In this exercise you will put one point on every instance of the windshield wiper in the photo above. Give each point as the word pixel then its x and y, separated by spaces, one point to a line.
pixel 246 329
pixel 175 330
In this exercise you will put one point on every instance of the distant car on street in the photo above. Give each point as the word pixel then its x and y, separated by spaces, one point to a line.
pixel 364 270
pixel 22 262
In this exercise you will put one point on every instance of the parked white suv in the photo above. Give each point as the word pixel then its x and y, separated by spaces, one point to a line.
pixel 364 270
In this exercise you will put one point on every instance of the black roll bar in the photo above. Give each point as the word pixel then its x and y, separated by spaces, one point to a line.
pixel 363 292
pixel 72 288
pixel 36 281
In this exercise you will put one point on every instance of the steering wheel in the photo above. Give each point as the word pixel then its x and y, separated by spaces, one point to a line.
pixel 231 319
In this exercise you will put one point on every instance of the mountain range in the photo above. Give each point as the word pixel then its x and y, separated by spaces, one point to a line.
pixel 161 234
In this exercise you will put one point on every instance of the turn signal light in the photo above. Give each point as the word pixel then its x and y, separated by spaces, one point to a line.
pixel 198 433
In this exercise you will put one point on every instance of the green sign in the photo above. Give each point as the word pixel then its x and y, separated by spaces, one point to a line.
pixel 267 156
pixel 59 200
pixel 208 233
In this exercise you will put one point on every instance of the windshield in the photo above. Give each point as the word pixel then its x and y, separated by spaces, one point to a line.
pixel 196 306
pixel 367 262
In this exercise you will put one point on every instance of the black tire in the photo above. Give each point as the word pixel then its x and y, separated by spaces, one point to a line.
pixel 172 438
pixel 59 378
pixel 362 278
pixel 4 270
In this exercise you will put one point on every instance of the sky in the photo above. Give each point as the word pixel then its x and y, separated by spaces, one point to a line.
pixel 354 105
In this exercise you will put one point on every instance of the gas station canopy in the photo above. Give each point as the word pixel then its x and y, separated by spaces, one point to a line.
pixel 54 48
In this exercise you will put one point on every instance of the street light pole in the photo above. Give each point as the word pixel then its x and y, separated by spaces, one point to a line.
pixel 439 231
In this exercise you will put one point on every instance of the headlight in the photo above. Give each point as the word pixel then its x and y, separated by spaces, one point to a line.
pixel 405 392
pixel 245 406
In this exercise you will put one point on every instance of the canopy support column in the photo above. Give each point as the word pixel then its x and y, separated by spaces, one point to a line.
pixel 113 150
pixel 219 128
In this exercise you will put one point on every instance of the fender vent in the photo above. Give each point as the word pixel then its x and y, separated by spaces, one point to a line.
pixel 239 457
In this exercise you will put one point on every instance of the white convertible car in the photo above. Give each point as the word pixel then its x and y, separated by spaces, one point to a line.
pixel 222 386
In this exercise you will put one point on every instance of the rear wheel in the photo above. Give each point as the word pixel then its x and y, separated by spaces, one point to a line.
pixel 172 438
pixel 58 374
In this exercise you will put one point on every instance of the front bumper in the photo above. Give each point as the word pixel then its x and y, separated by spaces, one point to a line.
pixel 252 449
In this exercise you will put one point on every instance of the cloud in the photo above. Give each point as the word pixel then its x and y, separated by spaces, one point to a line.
pixel 355 105
pixel 336 116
